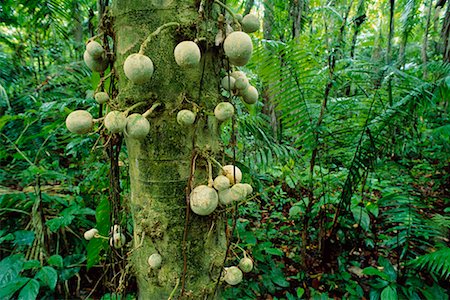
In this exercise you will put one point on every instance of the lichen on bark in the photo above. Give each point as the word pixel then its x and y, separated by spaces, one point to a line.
pixel 160 164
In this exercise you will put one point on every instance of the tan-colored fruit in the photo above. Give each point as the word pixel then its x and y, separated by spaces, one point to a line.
pixel 241 82
pixel 233 275
pixel 250 23
pixel 221 183
pixel 79 121
pixel 228 83
pixel 138 68
pixel 238 191
pixel 95 50
pixel 187 54
pixel 238 17
pixel 155 261
pixel 118 240
pixel 248 188
pixel 95 64
pixel 237 74
pixel 238 48
pixel 224 111
pixel 185 117
pixel 203 200
pixel 115 121
pixel 137 126
pixel 90 234
pixel 246 265
pixel 230 171
pixel 250 95
pixel 101 97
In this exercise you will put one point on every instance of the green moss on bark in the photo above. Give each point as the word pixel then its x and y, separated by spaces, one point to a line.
pixel 160 164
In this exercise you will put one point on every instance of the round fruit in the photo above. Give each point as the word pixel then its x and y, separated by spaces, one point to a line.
pixel 95 49
pixel 187 54
pixel 185 117
pixel 101 97
pixel 155 261
pixel 117 241
pixel 238 47
pixel 89 235
pixel 237 74
pixel 250 23
pixel 224 111
pixel 95 64
pixel 137 126
pixel 246 265
pixel 233 275
pixel 238 191
pixel 203 200
pixel 138 68
pixel 230 171
pixel 115 121
pixel 248 188
pixel 228 83
pixel 221 183
pixel 79 121
pixel 250 95
pixel 238 17
pixel 241 83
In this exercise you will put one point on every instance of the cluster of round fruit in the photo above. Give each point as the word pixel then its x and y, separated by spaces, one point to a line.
pixel 226 189
pixel 117 239
pixel 233 275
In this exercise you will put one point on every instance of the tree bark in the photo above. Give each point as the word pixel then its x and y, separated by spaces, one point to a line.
pixel 160 165
pixel 445 35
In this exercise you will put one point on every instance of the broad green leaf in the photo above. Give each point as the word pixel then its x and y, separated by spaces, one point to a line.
pixel 389 293
pixel 300 292
pixel 7 290
pixel 277 276
pixel 10 268
pixel 388 268
pixel 274 251
pixel 48 276
pixel 374 271
pixel 55 260
pixel 31 264
pixel 30 291
pixel 23 238
pixel 56 223
pixel 94 247
pixel 361 217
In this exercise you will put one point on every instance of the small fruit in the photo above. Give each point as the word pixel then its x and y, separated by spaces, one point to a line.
pixel 187 54
pixel 224 111
pixel 221 183
pixel 79 121
pixel 90 234
pixel 250 95
pixel 185 117
pixel 203 200
pixel 115 121
pixel 250 23
pixel 233 275
pixel 246 265
pixel 228 83
pixel 248 188
pixel 237 74
pixel 231 171
pixel 238 48
pixel 155 261
pixel 118 240
pixel 241 82
pixel 95 50
pixel 95 64
pixel 101 97
pixel 137 126
pixel 138 68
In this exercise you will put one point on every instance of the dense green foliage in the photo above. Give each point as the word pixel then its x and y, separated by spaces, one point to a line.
pixel 348 151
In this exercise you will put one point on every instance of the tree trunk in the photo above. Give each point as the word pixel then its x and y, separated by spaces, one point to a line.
pixel 160 165
pixel 445 35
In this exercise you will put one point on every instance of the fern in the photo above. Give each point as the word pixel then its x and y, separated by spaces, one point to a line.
pixel 437 262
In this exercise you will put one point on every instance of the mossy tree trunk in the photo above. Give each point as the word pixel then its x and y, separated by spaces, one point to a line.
pixel 160 165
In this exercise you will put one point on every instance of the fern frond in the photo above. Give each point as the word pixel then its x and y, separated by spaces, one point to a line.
pixel 437 262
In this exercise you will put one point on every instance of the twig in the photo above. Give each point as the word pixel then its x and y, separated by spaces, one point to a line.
pixel 150 110
pixel 174 289
pixel 155 33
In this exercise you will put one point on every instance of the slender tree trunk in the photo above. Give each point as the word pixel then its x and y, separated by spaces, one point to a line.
pixel 425 40
pixel 192 247
pixel 389 45
pixel 357 23
pixel 445 35
pixel 297 9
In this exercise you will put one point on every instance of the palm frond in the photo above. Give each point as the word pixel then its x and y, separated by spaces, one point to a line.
pixel 437 262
